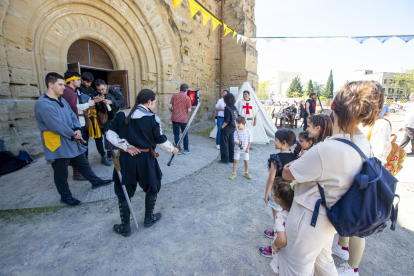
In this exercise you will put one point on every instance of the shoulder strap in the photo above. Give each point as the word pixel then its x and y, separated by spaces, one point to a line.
pixel 126 111
pixel 372 127
pixel 349 143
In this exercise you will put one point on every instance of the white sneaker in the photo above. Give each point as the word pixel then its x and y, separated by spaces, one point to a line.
pixel 218 147
pixel 338 251
pixel 346 270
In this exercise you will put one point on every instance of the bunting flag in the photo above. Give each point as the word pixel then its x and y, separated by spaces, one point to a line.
pixel 215 22
pixel 177 3
pixel 206 17
pixel 194 7
pixel 227 30
pixel 234 34
pixel 406 38
pixel 238 38
pixel 382 39
pixel 244 38
pixel 336 39
pixel 361 39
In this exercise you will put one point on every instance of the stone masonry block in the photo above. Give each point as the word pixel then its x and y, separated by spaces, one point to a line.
pixel 4 74
pixel 22 109
pixel 20 58
pixel 22 76
pixel 3 61
pixel 24 91
pixel 5 89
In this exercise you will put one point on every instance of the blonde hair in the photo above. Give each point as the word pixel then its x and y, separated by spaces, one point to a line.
pixel 358 102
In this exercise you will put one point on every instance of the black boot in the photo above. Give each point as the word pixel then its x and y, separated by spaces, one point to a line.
pixel 150 218
pixel 124 229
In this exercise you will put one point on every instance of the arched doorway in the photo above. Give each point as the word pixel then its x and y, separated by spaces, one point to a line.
pixel 87 56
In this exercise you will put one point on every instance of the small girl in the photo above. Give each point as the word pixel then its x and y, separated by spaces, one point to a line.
pixel 305 143
pixel 319 127
pixel 284 139
pixel 282 195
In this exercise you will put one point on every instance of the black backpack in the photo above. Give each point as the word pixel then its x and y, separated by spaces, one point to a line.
pixel 367 205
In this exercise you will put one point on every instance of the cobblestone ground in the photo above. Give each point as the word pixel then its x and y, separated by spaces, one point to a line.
pixel 211 225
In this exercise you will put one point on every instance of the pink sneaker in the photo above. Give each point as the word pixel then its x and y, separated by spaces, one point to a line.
pixel 266 251
pixel 270 234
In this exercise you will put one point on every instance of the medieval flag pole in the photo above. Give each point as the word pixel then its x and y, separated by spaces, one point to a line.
pixel 117 166
pixel 185 132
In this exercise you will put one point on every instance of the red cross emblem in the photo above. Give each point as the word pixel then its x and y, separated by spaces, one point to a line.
pixel 284 224
pixel 247 107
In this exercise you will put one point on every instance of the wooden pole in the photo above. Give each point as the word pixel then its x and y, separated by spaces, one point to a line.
pixel 221 47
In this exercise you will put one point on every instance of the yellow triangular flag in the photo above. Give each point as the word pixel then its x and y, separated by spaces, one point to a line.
pixel 194 7
pixel 206 16
pixel 177 3
pixel 227 30
pixel 234 34
pixel 215 22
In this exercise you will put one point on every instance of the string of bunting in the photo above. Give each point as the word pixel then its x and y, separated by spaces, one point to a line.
pixel 195 7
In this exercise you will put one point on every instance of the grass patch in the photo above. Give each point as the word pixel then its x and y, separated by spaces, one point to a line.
pixel 29 212
pixel 206 132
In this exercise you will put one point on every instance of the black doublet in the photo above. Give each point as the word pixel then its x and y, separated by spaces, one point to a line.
pixel 142 133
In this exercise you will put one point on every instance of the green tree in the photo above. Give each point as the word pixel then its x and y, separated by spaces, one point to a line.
pixel 318 88
pixel 404 81
pixel 295 89
pixel 309 89
pixel 265 88
pixel 329 88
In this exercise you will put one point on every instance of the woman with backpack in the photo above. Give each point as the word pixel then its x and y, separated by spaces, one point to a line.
pixel 332 165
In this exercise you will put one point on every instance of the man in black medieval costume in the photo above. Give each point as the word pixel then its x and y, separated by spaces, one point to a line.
pixel 136 133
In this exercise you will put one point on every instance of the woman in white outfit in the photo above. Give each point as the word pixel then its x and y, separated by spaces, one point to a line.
pixel 334 166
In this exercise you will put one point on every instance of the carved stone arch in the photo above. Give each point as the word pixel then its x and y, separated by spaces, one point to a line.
pixel 146 38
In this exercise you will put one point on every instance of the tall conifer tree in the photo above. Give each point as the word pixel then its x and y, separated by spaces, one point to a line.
pixel 295 89
pixel 309 89
pixel 329 88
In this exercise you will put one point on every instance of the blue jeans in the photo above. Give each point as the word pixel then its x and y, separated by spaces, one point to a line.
pixel 220 121
pixel 176 130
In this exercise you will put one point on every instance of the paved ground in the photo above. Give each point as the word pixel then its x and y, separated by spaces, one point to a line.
pixel 33 186
pixel 211 225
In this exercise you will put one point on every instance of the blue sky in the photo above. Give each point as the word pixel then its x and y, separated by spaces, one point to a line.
pixel 333 18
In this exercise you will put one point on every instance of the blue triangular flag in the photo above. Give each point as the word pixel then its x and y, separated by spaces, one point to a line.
pixel 382 38
pixel 361 39
pixel 406 38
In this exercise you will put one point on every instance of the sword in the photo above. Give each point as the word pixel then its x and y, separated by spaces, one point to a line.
pixel 319 103
pixel 185 132
pixel 117 166
pixel 238 135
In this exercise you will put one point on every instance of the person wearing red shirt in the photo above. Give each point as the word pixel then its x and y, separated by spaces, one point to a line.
pixel 180 105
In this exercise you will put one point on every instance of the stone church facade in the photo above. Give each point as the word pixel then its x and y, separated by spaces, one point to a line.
pixel 133 43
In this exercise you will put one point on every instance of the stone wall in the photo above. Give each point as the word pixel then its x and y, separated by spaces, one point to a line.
pixel 161 47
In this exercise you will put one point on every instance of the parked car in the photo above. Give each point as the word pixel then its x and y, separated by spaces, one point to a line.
pixel 394 109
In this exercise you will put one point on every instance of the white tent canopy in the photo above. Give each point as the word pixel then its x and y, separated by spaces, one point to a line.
pixel 265 128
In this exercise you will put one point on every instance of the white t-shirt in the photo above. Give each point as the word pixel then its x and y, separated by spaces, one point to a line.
pixel 245 136
pixel 280 222
pixel 220 104
pixel 331 163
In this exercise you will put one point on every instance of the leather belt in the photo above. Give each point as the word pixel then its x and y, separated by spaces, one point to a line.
pixel 249 119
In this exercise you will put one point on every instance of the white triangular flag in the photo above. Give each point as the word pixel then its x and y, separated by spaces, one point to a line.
pixel 269 39
pixel 338 39
pixel 238 38
pixel 254 39
pixel 282 39
pixel 244 39
pixel 319 39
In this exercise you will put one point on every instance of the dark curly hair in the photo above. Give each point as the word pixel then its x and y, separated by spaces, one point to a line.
pixel 283 191
pixel 229 99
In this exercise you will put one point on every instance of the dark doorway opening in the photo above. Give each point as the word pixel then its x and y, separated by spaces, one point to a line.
pixel 88 56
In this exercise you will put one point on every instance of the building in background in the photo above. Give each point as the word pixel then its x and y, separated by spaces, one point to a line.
pixel 135 44
pixel 281 83
pixel 385 79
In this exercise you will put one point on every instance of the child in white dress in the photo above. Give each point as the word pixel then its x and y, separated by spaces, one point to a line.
pixel 283 196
